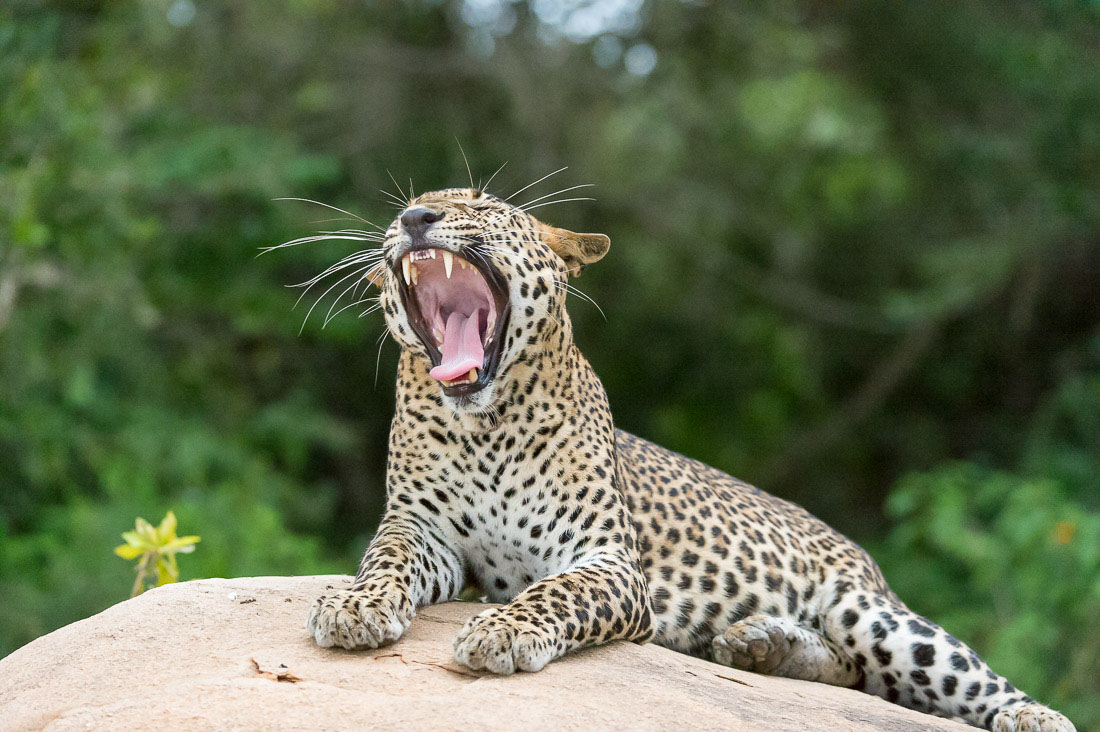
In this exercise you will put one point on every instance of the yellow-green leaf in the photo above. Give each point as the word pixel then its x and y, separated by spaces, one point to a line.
pixel 129 551
pixel 133 539
pixel 167 528
pixel 144 528
pixel 183 544
pixel 164 574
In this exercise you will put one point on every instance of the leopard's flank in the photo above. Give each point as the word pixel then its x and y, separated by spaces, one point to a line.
pixel 506 471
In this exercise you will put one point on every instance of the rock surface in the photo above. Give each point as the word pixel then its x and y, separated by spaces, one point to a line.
pixel 233 654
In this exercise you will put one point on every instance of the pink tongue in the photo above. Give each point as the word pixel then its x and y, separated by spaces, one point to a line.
pixel 462 349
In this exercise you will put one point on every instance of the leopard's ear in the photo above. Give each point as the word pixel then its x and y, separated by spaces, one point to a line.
pixel 576 250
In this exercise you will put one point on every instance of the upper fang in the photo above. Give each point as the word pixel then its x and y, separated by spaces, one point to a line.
pixel 448 262
pixel 405 270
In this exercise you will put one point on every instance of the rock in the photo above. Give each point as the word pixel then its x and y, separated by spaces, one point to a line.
pixel 233 653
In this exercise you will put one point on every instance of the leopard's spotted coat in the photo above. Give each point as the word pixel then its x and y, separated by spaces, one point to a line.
pixel 590 534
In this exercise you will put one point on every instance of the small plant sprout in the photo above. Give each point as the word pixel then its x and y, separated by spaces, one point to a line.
pixel 157 547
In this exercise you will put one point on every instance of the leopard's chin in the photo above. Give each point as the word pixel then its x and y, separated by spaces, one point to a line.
pixel 457 304
pixel 476 413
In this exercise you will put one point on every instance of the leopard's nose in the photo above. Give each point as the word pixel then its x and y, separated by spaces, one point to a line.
pixel 417 219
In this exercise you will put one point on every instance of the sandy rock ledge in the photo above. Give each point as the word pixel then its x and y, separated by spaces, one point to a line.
pixel 233 654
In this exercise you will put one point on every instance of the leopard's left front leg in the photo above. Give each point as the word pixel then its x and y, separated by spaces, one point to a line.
pixel 600 598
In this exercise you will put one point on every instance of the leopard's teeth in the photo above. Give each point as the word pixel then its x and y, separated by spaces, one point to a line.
pixel 405 265
pixel 438 335
pixel 448 262
pixel 431 253
pixel 472 376
pixel 415 274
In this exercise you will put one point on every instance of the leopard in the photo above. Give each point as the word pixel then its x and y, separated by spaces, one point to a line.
pixel 505 472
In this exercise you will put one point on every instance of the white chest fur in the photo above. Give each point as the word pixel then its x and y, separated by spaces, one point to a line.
pixel 502 507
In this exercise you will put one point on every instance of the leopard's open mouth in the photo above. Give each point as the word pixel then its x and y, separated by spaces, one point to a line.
pixel 458 308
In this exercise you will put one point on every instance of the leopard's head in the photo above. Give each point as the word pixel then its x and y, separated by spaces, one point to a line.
pixel 474 285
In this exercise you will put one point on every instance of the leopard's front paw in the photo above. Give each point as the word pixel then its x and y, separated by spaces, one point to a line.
pixel 356 619
pixel 1031 717
pixel 500 644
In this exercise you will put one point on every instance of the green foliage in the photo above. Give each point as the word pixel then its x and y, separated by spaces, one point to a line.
pixel 155 548
pixel 1012 566
pixel 1010 562
pixel 851 243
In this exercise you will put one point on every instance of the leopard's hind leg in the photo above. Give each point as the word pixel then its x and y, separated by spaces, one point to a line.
pixel 912 661
pixel 778 646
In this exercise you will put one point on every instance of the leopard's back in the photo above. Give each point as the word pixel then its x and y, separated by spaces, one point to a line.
pixel 715 549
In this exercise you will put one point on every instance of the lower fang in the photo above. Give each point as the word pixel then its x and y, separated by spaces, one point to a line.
pixel 438 336
pixel 472 376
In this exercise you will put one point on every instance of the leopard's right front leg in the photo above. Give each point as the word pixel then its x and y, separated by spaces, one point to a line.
pixel 408 565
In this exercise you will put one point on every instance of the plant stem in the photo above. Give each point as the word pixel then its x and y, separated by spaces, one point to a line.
pixel 139 581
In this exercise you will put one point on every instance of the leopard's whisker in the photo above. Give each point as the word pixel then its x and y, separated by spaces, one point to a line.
pixel 329 316
pixel 576 291
pixel 540 180
pixel 324 294
pixel 354 287
pixel 369 235
pixel 400 203
pixel 334 218
pixel 367 279
pixel 465 160
pixel 311 239
pixel 334 208
pixel 563 200
pixel 378 357
pixel 494 175
pixel 370 255
pixel 524 206
pixel 372 309
pixel 313 281
pixel 401 193
pixel 353 304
